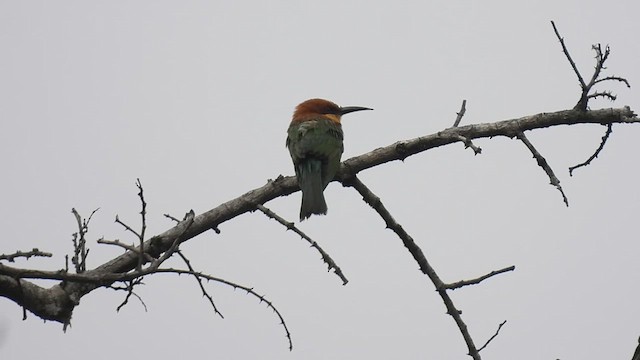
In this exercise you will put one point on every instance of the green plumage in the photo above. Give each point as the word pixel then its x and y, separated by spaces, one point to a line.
pixel 316 147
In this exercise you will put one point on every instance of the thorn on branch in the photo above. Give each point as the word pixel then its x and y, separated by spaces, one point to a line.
pixel 290 226
pixel 542 162
pixel 596 153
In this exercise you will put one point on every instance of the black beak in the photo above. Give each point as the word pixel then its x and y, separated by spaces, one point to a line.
pixel 349 109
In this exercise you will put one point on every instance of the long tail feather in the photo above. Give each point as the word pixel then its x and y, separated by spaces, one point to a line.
pixel 310 181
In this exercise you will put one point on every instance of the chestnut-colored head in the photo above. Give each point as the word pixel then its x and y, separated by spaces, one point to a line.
pixel 313 108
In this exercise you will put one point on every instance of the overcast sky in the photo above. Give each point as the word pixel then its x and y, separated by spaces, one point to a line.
pixel 194 98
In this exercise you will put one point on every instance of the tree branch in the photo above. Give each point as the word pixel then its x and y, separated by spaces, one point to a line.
pixel 493 337
pixel 601 58
pixel 596 153
pixel 478 280
pixel 63 297
pixel 374 201
pixel 542 162
pixel 35 252
pixel 290 226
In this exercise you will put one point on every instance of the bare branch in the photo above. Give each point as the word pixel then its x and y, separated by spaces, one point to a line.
pixel 400 150
pixel 187 222
pixel 127 227
pixel 290 226
pixel 460 113
pixel 494 336
pixel 374 201
pixel 469 144
pixel 129 289
pixel 603 94
pixel 250 291
pixel 542 162
pixel 132 248
pixel 614 78
pixel 601 58
pixel 143 225
pixel 171 218
pixel 204 291
pixel 80 251
pixel 478 280
pixel 24 254
pixel 566 53
pixel 596 153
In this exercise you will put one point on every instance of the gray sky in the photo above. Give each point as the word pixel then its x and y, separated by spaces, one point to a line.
pixel 194 98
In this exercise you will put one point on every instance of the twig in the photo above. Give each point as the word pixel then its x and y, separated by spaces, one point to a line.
pixel 493 337
pixel 171 218
pixel 596 153
pixel 250 291
pixel 478 280
pixel 106 279
pixel 566 53
pixel 601 58
pixel 469 144
pixel 24 254
pixel 143 215
pixel 80 251
pixel 186 223
pixel 129 289
pixel 143 229
pixel 603 94
pixel 290 226
pixel 154 264
pixel 460 113
pixel 374 201
pixel 131 248
pixel 204 291
pixel 614 78
pixel 127 227
pixel 542 162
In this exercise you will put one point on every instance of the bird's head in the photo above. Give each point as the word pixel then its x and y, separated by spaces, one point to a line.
pixel 319 107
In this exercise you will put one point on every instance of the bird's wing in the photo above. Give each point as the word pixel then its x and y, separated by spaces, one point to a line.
pixel 314 138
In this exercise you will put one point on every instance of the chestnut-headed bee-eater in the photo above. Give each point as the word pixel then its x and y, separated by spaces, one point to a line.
pixel 314 140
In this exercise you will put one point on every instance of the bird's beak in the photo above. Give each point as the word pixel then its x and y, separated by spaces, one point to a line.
pixel 349 109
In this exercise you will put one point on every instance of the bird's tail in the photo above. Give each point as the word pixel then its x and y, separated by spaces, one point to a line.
pixel 310 181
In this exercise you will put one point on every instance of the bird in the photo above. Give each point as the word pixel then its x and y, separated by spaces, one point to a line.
pixel 315 143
